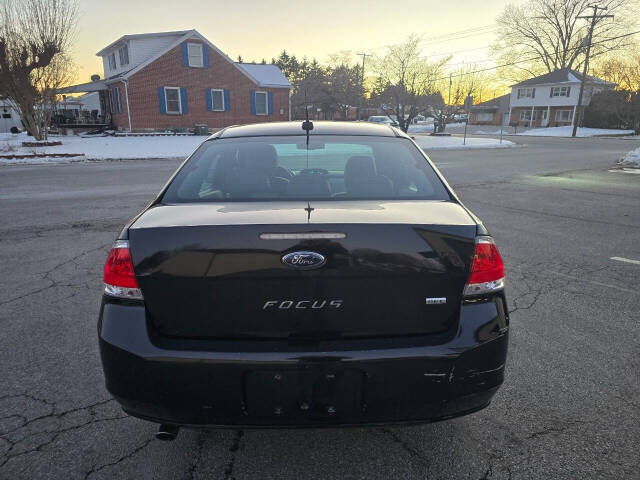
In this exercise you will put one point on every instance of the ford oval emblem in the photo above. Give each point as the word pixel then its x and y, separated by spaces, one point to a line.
pixel 304 260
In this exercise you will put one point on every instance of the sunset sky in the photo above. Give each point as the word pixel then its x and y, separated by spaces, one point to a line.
pixel 261 29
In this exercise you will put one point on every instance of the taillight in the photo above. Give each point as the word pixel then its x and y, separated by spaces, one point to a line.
pixel 487 269
pixel 119 278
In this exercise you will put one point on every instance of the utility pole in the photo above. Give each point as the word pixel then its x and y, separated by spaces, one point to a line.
pixel 580 109
pixel 364 56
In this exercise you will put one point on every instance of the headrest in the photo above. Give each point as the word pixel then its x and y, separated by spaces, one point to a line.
pixel 358 167
pixel 258 156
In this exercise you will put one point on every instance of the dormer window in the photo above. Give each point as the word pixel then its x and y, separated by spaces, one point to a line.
pixel 195 54
pixel 123 52
pixel 112 61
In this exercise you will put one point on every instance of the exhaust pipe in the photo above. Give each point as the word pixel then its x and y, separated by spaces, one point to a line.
pixel 167 432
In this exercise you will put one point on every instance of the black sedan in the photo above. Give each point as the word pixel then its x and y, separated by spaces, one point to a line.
pixel 296 274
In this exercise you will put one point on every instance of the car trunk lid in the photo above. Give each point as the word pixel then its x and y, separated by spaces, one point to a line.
pixel 216 270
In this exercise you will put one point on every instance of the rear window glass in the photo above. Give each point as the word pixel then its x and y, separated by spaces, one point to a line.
pixel 283 168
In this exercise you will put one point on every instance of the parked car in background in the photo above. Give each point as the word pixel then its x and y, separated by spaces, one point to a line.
pixel 383 120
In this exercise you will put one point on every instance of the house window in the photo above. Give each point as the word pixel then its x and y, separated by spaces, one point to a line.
pixel 195 54
pixel 116 101
pixel 123 52
pixel 560 91
pixel 6 115
pixel 172 99
pixel 526 93
pixel 261 103
pixel 525 115
pixel 564 115
pixel 217 100
pixel 112 61
pixel 484 117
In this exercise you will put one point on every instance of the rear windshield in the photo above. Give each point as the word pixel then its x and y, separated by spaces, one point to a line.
pixel 283 168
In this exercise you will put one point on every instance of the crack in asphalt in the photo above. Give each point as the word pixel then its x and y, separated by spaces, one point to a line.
pixel 54 436
pixel 557 215
pixel 105 225
pixel 235 446
pixel 58 415
pixel 499 461
pixel 536 286
pixel 193 468
pixel 46 275
pixel 406 447
pixel 54 433
pixel 126 456
pixel 553 429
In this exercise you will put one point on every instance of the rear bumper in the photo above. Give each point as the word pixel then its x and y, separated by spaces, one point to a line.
pixel 207 383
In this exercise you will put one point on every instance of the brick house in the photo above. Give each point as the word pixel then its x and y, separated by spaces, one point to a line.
pixel 175 80
pixel 550 100
pixel 491 112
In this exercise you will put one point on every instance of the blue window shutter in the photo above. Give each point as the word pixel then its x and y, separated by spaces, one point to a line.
pixel 185 55
pixel 183 100
pixel 270 102
pixel 205 55
pixel 161 102
pixel 209 100
pixel 227 101
pixel 253 102
pixel 119 101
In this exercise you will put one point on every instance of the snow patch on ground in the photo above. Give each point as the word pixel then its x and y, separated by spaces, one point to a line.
pixel 454 143
pixel 567 131
pixel 631 159
pixel 635 171
pixel 39 160
pixel 427 127
pixel 148 147
pixel 101 148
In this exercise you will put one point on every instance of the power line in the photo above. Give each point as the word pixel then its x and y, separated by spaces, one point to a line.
pixel 459 37
pixel 510 64
pixel 466 30
pixel 448 36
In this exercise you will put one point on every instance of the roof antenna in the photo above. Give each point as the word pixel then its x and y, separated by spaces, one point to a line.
pixel 307 125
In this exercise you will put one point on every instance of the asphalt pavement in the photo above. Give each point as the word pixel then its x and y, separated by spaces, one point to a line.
pixel 569 407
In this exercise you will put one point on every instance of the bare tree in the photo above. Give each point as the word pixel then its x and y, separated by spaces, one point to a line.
pixel 464 82
pixel 34 37
pixel 549 35
pixel 623 70
pixel 405 83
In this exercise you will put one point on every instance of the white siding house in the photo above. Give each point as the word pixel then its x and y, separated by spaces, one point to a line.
pixel 9 117
pixel 551 100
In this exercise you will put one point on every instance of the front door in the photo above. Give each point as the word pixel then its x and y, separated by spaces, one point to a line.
pixel 545 118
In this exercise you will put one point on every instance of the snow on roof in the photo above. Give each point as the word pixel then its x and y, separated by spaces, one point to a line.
pixel 266 75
